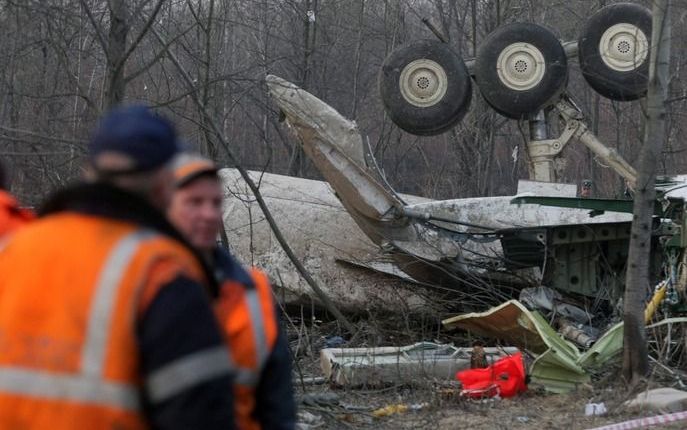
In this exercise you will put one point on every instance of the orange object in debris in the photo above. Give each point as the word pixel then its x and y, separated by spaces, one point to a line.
pixel 505 378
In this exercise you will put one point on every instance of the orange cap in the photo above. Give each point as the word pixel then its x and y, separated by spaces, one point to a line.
pixel 189 166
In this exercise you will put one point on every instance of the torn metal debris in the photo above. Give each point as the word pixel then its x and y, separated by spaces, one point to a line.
pixel 555 367
pixel 399 365
pixel 475 246
pixel 663 399
pixel 559 366
pixel 347 265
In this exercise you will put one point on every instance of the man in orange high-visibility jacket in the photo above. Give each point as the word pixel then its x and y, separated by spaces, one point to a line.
pixel 105 319
pixel 245 307
pixel 12 216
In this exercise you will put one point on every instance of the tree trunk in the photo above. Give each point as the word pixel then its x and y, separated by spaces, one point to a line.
pixel 116 50
pixel 635 353
pixel 208 147
pixel 358 49
pixel 297 162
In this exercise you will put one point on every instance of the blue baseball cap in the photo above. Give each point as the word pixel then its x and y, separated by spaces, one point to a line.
pixel 137 132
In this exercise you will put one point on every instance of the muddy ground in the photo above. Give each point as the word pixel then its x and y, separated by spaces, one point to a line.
pixel 532 410
pixel 433 404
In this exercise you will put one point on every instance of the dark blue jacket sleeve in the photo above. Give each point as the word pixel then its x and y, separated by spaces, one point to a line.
pixel 275 406
pixel 179 327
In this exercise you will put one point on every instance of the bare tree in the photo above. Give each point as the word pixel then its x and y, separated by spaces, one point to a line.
pixel 635 353
pixel 114 45
pixel 63 60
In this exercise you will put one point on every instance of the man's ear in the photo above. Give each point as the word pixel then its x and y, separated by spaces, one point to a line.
pixel 161 189
pixel 88 173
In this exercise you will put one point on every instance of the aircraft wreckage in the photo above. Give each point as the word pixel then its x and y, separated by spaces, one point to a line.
pixel 480 251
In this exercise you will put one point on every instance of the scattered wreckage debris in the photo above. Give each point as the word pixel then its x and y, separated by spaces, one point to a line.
pixel 663 399
pixel 399 408
pixel 357 402
pixel 406 365
pixel 595 409
pixel 555 366
pixel 486 250
pixel 558 365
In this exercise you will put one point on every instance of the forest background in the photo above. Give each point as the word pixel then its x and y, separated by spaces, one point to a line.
pixel 64 62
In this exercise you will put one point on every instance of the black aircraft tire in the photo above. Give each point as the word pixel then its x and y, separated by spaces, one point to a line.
pixel 520 69
pixel 613 50
pixel 425 87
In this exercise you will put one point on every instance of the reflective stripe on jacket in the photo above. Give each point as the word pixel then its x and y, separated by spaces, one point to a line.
pixel 71 291
pixel 246 312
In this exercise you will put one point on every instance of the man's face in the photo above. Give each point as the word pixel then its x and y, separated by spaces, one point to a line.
pixel 196 210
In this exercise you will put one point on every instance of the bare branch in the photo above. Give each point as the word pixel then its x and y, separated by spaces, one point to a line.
pixel 70 142
pixel 161 53
pixel 196 17
pixel 141 34
pixel 96 28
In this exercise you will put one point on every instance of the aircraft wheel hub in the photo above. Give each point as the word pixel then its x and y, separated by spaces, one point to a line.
pixel 521 66
pixel 423 82
pixel 623 47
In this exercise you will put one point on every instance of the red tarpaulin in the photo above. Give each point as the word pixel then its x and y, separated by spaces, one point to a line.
pixel 505 378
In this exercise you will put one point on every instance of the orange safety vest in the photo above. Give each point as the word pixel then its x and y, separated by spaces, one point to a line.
pixel 11 215
pixel 250 325
pixel 71 290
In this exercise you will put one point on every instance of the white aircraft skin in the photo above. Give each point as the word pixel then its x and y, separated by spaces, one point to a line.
pixel 326 240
